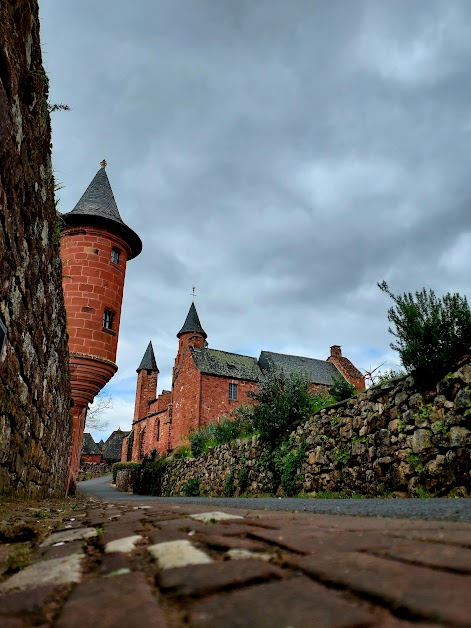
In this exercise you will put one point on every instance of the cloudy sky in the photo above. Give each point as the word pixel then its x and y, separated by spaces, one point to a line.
pixel 283 157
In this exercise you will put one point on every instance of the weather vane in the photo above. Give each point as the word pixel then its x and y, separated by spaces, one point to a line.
pixel 193 293
pixel 103 163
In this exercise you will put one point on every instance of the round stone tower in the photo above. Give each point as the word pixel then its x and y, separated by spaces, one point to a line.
pixel 95 246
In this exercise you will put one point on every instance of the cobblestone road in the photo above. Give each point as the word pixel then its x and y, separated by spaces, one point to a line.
pixel 173 564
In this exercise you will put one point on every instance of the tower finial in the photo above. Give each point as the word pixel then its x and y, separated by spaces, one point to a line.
pixel 103 163
pixel 193 293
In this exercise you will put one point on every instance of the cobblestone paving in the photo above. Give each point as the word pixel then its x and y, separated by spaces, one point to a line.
pixel 119 564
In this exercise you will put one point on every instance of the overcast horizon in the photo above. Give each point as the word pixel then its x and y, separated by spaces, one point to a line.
pixel 281 157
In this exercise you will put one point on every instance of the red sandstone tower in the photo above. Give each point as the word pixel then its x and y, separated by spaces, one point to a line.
pixel 95 246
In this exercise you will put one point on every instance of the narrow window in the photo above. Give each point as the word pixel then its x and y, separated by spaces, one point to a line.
pixel 108 319
pixel 142 439
pixel 233 392
pixel 158 430
pixel 115 256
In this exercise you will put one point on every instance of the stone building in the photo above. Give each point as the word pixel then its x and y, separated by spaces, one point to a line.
pixel 208 384
pixel 95 247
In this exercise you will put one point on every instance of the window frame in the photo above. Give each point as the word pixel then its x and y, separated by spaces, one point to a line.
pixel 115 253
pixel 108 319
pixel 233 391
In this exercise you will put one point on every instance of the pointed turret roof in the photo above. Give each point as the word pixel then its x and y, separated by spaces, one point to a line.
pixel 192 323
pixel 148 362
pixel 97 207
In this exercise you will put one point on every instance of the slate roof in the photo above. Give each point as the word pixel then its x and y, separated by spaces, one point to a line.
pixel 148 362
pixel 97 207
pixel 214 362
pixel 192 323
pixel 88 445
pixel 112 449
pixel 318 371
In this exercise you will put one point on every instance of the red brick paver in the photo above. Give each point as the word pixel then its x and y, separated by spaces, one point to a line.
pixel 266 569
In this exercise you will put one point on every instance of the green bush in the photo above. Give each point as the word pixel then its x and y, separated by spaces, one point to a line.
pixel 123 465
pixel 229 486
pixel 191 488
pixel 432 334
pixel 319 401
pixel 281 400
pixel 149 480
pixel 243 480
pixel 341 389
pixel 238 425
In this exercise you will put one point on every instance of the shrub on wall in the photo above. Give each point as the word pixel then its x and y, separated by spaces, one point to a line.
pixel 341 389
pixel 149 480
pixel 432 334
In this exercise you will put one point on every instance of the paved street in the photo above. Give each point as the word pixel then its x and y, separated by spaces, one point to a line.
pixel 430 509
pixel 152 562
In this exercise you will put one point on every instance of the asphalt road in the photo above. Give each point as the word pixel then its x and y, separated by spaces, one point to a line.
pixel 433 509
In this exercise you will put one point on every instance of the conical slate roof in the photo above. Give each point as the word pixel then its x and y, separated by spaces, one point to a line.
pixel 97 207
pixel 148 362
pixel 192 323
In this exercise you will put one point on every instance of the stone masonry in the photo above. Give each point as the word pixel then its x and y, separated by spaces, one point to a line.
pixel 35 416
pixel 389 439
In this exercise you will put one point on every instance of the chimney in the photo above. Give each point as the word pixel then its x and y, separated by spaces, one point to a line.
pixel 336 351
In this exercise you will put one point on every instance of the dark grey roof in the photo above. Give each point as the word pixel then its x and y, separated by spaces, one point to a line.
pixel 318 371
pixel 98 207
pixel 214 362
pixel 148 362
pixel 192 323
pixel 112 449
pixel 88 445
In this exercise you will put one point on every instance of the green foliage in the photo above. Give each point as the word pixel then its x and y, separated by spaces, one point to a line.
pixel 123 465
pixel 52 107
pixel 182 452
pixel 319 401
pixel 281 400
pixel 191 488
pixel 386 376
pixel 229 486
pixel 416 463
pixel 243 480
pixel 423 493
pixel 341 389
pixel 149 481
pixel 290 465
pixel 342 455
pixel 238 425
pixel 432 334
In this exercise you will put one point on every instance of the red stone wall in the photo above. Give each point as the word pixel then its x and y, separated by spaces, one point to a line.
pixel 146 390
pixel 215 396
pixel 92 282
pixel 186 400
pixel 348 371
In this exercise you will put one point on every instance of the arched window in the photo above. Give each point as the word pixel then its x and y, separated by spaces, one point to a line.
pixel 158 430
pixel 142 437
pixel 130 444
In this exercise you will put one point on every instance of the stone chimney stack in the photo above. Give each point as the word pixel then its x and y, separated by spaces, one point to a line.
pixel 336 351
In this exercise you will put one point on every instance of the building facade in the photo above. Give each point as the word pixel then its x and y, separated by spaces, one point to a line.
pixel 95 247
pixel 208 384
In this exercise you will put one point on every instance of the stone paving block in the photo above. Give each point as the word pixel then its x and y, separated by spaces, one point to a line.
pixel 216 515
pixel 19 602
pixel 54 571
pixel 64 549
pixel 240 554
pixel 117 530
pixel 125 600
pixel 430 554
pixel 69 535
pixel 113 563
pixel 296 603
pixel 461 538
pixel 177 554
pixel 125 545
pixel 203 579
pixel 217 541
pixel 427 593
pixel 161 536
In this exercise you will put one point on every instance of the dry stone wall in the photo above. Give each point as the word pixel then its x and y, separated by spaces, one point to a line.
pixel 35 422
pixel 390 439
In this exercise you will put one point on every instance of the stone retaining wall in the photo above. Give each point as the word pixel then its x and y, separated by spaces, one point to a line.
pixel 35 417
pixel 390 439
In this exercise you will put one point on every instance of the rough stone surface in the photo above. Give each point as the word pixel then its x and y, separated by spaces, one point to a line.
pixel 125 545
pixel 35 419
pixel 388 439
pixel 177 554
pixel 69 535
pixel 214 516
pixel 55 571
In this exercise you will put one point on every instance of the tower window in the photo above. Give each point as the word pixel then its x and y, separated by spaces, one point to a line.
pixel 115 256
pixel 233 392
pixel 108 316
pixel 158 430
